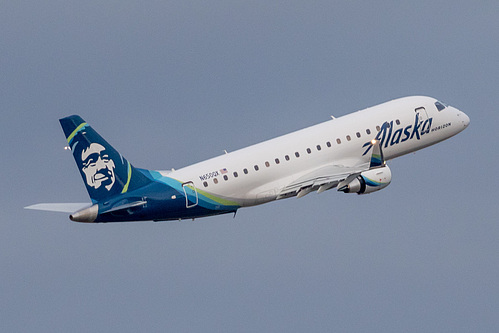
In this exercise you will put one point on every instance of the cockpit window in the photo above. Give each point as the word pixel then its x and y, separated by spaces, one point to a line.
pixel 440 105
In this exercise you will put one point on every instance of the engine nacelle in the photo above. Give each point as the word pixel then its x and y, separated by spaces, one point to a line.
pixel 368 181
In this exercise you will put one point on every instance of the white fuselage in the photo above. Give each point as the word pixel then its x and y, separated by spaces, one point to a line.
pixel 340 142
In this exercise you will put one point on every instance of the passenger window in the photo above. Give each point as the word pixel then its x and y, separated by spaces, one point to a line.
pixel 297 154
pixel 267 164
pixel 368 131
pixel 338 141
pixel 235 174
pixel 205 184
pixel 397 121
pixel 358 134
pixel 276 161
pixel 256 167
pixel 286 157
pixel 225 177
pixel 245 171
pixel 378 128
pixel 215 180
pixel 309 150
pixel 328 144
pixel 318 147
pixel 349 138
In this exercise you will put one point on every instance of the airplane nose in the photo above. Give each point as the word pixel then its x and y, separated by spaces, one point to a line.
pixel 464 119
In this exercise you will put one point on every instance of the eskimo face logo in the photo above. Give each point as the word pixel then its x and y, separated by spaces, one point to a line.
pixel 98 167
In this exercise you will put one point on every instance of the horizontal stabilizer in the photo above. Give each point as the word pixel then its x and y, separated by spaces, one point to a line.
pixel 60 207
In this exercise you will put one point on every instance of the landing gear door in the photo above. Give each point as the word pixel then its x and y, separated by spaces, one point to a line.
pixel 191 194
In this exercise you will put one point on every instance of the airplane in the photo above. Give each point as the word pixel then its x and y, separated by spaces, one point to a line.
pixel 349 153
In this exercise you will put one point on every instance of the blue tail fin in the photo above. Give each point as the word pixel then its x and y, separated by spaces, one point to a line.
pixel 104 171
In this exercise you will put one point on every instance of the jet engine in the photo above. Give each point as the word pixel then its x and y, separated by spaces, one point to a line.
pixel 366 182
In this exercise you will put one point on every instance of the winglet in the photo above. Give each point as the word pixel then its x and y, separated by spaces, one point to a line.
pixel 377 159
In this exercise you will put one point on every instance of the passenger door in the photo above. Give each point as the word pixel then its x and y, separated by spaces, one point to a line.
pixel 422 114
pixel 191 194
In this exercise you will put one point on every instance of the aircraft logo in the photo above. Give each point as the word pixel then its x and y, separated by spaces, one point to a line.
pixel 388 137
pixel 98 167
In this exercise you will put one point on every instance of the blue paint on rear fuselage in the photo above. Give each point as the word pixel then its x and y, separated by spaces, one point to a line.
pixel 162 203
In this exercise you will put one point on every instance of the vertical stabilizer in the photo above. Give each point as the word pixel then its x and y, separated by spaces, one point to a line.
pixel 105 172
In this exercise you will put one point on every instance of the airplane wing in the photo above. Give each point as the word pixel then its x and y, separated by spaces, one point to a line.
pixel 60 207
pixel 329 176
pixel 321 179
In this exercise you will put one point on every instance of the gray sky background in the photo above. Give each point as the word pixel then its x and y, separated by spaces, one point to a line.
pixel 172 83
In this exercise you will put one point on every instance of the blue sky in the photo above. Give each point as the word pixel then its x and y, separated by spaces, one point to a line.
pixel 172 83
